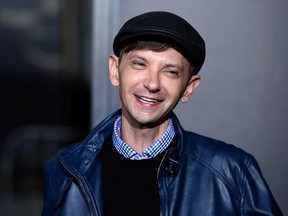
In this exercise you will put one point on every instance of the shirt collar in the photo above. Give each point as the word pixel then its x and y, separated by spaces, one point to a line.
pixel 152 151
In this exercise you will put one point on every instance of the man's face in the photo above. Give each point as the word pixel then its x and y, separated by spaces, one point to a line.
pixel 151 84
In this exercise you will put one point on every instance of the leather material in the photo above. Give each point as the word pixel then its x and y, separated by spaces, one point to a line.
pixel 198 176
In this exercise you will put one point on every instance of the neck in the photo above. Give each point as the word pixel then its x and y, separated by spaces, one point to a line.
pixel 140 138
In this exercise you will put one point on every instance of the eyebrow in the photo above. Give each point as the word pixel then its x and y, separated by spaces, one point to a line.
pixel 177 66
pixel 133 55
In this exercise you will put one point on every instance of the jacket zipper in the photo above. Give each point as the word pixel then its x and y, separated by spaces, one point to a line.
pixel 81 185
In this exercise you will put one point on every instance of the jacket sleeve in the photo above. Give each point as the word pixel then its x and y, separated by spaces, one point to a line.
pixel 257 198
pixel 49 195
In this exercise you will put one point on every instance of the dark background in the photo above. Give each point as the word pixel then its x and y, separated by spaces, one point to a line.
pixel 44 93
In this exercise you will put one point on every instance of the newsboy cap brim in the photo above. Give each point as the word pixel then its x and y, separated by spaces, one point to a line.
pixel 163 27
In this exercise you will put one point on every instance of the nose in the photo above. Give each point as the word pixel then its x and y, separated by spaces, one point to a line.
pixel 152 82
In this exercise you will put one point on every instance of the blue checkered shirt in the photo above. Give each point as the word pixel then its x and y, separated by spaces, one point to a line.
pixel 152 151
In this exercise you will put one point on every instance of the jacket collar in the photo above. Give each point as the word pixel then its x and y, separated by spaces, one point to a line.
pixel 88 150
pixel 79 157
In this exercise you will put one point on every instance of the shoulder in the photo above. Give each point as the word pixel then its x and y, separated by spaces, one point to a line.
pixel 211 150
pixel 222 160
pixel 53 170
pixel 227 162
pixel 77 154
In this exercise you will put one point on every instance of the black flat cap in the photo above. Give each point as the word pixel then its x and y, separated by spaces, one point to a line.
pixel 163 27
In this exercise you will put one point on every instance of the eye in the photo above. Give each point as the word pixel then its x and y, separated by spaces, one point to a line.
pixel 138 64
pixel 173 73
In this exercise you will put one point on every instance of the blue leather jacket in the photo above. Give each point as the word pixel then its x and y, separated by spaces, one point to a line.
pixel 199 176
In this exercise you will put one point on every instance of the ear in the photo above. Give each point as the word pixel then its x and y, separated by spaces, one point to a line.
pixel 190 88
pixel 114 70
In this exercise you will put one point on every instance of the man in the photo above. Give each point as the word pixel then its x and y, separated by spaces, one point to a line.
pixel 139 160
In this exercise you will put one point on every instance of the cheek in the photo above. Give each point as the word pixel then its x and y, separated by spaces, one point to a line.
pixel 126 85
pixel 175 88
pixel 130 80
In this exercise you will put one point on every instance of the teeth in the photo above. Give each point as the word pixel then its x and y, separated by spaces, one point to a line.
pixel 148 100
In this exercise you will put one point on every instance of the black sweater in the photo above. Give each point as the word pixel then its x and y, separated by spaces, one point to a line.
pixel 130 186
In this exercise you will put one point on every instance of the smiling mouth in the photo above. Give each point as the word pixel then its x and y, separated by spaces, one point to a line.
pixel 148 100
